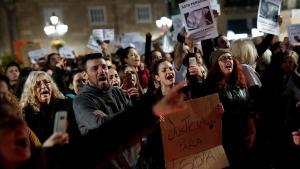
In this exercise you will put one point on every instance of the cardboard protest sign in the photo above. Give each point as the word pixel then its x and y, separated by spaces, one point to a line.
pixel 268 12
pixel 294 33
pixel 195 130
pixel 67 52
pixel 25 49
pixel 214 158
pixel 198 19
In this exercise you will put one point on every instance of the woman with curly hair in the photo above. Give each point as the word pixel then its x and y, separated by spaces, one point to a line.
pixel 40 101
pixel 238 130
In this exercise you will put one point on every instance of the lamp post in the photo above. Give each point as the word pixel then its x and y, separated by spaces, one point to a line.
pixel 55 28
pixel 164 24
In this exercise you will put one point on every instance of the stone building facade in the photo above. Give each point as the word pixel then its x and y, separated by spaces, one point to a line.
pixel 81 16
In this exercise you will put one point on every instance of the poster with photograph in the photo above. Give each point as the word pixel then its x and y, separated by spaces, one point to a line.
pixel 294 33
pixel 267 18
pixel 198 19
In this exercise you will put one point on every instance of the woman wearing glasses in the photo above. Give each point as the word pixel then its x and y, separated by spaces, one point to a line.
pixel 238 131
pixel 40 101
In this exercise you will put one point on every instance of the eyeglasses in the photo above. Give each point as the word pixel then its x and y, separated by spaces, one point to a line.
pixel 45 82
pixel 225 58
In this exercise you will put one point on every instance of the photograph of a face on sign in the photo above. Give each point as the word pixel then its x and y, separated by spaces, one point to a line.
pixel 269 10
pixel 198 18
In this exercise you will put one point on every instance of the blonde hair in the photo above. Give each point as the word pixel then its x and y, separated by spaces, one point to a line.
pixel 29 97
pixel 244 51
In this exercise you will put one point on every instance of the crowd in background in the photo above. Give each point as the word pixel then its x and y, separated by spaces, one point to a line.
pixel 109 99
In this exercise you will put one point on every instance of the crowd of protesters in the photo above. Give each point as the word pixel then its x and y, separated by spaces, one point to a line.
pixel 115 102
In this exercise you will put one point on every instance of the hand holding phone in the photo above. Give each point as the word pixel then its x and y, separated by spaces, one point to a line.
pixel 192 61
pixel 60 122
pixel 127 84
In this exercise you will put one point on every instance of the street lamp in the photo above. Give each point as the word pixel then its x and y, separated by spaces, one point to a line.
pixel 55 28
pixel 164 24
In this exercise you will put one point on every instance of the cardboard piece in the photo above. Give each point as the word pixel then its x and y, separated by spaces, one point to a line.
pixel 214 158
pixel 195 130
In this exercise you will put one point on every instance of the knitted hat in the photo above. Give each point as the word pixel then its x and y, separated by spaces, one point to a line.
pixel 214 56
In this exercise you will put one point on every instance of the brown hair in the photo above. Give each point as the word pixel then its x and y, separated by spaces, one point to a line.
pixel 216 78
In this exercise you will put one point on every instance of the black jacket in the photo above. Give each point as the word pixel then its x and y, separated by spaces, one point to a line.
pixel 42 122
pixel 99 145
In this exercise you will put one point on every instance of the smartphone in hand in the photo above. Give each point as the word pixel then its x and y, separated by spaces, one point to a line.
pixel 192 61
pixel 127 83
pixel 60 122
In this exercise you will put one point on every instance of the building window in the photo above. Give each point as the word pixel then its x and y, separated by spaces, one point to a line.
pixel 143 13
pixel 238 25
pixel 48 12
pixel 97 15
pixel 234 3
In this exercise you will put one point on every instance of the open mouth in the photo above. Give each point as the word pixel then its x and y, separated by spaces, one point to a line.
pixel 115 84
pixel 170 77
pixel 22 142
pixel 45 93
pixel 102 78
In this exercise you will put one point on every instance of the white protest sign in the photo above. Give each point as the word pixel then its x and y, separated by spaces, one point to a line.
pixel 133 39
pixel 295 13
pixel 37 54
pixel 109 34
pixel 268 12
pixel 67 52
pixel 214 158
pixel 215 6
pixel 92 44
pixel 198 19
pixel 103 34
pixel 177 25
pixel 294 33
